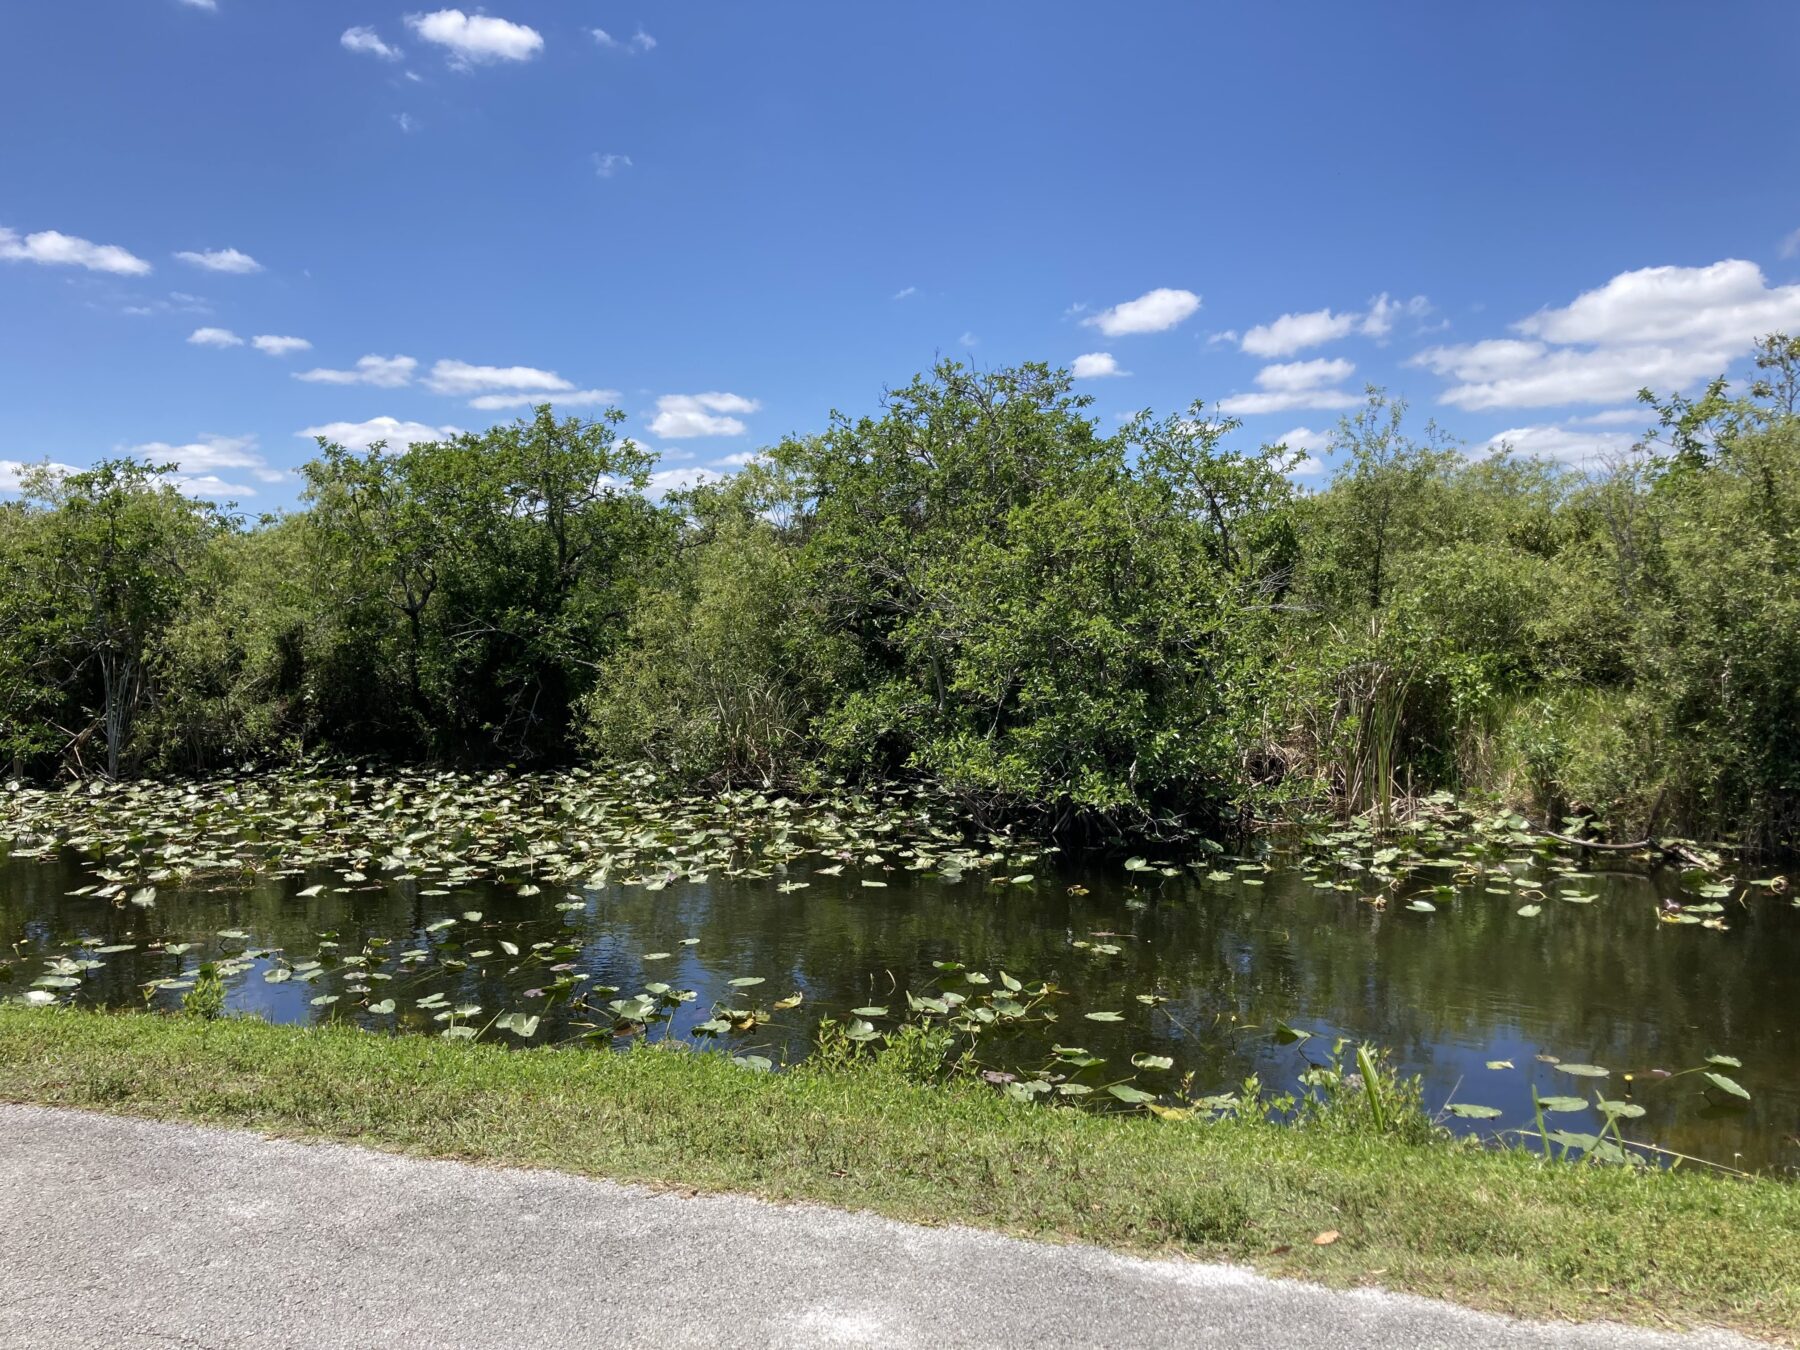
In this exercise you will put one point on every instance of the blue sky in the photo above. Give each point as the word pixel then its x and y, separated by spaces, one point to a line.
pixel 740 216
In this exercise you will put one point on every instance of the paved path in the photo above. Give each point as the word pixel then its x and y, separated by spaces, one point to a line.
pixel 126 1234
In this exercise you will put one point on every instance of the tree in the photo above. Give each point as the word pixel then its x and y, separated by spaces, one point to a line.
pixel 115 552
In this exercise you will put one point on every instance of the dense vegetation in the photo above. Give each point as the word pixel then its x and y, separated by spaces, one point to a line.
pixel 978 586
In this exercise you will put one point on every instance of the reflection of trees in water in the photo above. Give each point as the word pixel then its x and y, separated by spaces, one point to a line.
pixel 1605 982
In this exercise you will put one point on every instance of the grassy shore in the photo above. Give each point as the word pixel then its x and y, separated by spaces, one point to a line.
pixel 1502 1231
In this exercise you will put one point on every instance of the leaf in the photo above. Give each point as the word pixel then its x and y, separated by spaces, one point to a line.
pixel 1583 1070
pixel 1135 1096
pixel 755 1063
pixel 1470 1111
pixel 1500 1064
pixel 1725 1061
pixel 1563 1103
pixel 870 1012
pixel 385 1006
pixel 791 1001
pixel 308 893
pixel 1146 1061
pixel 1530 911
pixel 1622 1110
pixel 1728 1085
pixel 1325 1239
pixel 745 981
pixel 1105 1017
pixel 1423 907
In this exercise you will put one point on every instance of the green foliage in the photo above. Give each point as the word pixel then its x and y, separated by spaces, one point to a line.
pixel 977 586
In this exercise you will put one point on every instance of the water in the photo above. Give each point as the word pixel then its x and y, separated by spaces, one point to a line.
pixel 1604 983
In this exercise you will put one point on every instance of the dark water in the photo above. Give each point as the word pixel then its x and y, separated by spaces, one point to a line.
pixel 1603 983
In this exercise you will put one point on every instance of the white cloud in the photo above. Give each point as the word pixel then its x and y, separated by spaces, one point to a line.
pixel 1662 327
pixel 474 39
pixel 1296 332
pixel 1613 417
pixel 1502 373
pixel 178 302
pixel 1153 312
pixel 969 340
pixel 1295 384
pixel 222 260
pixel 1378 320
pixel 681 416
pixel 1564 443
pixel 362 435
pixel 215 337
pixel 459 379
pixel 272 345
pixel 13 471
pixel 1297 375
pixel 905 291
pixel 665 481
pixel 639 41
pixel 52 248
pixel 608 165
pixel 1305 438
pixel 406 122
pixel 575 398
pixel 199 463
pixel 367 42
pixel 384 372
pixel 210 6
pixel 1790 247
pixel 1096 365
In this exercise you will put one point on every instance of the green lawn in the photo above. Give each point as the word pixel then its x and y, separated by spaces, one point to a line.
pixel 1502 1231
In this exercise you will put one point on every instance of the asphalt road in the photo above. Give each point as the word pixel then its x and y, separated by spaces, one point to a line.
pixel 124 1234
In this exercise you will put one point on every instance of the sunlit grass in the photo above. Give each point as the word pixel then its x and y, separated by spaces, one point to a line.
pixel 1504 1231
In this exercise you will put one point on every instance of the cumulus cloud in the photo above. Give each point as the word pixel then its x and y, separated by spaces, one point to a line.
pixel 608 165
pixel 222 260
pixel 1790 247
pixel 362 435
pixel 1566 443
pixel 52 248
pixel 367 42
pixel 1294 384
pixel 460 379
pixel 1096 365
pixel 575 398
pixel 476 39
pixel 1153 312
pixel 1662 327
pixel 1306 439
pixel 1378 319
pixel 272 345
pixel 200 464
pixel 681 416
pixel 13 471
pixel 1296 332
pixel 384 372
pixel 215 337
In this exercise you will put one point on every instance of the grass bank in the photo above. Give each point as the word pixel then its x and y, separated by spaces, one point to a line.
pixel 1502 1231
